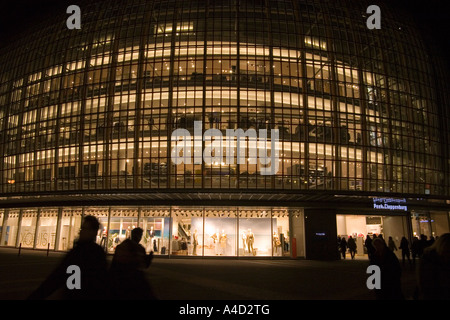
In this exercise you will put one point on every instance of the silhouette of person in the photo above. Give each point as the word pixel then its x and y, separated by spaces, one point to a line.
pixel 90 258
pixel 415 249
pixel 369 246
pixel 390 271
pixel 423 243
pixel 343 245
pixel 431 241
pixel 434 270
pixel 339 245
pixel 404 246
pixel 127 279
pixel 380 236
pixel 351 247
pixel 391 244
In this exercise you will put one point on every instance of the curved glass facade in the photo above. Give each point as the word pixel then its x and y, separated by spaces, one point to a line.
pixel 92 111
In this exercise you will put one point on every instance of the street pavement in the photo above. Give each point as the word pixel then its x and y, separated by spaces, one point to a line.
pixel 216 278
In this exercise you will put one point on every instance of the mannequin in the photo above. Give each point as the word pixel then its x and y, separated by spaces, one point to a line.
pixel 149 240
pixel 215 238
pixel 223 242
pixel 151 232
pixel 195 242
pixel 250 240
pixel 104 236
pixel 244 240
pixel 276 243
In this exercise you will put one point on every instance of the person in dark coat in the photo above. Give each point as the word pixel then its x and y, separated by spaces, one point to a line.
pixel 423 244
pixel 415 249
pixel 127 279
pixel 390 271
pixel 391 244
pixel 351 246
pixel 343 246
pixel 91 260
pixel 404 246
pixel 369 246
pixel 434 270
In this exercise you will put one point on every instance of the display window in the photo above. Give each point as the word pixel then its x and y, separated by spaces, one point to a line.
pixel 28 228
pixel 9 234
pixel 46 234
pixel 220 232
pixel 156 225
pixel 120 225
pixel 440 222
pixel 280 233
pixel 430 223
pixel 69 228
pixel 187 231
pixel 104 237
pixel 181 231
pixel 255 233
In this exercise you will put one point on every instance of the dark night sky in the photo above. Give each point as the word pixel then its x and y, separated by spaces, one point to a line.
pixel 20 14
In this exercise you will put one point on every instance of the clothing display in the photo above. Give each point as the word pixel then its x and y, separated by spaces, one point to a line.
pixel 222 236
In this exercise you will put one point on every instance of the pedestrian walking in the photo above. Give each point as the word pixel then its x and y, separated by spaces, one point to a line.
pixel 351 247
pixel 339 246
pixel 343 246
pixel 423 244
pixel 404 246
pixel 369 246
pixel 127 280
pixel 386 260
pixel 434 270
pixel 391 244
pixel 90 258
pixel 415 249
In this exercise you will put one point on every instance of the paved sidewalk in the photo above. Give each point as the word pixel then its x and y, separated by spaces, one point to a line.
pixel 216 279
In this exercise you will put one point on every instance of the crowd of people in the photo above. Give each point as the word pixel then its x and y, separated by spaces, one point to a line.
pixel 433 271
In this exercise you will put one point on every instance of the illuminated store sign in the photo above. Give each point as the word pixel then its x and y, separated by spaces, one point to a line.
pixel 389 204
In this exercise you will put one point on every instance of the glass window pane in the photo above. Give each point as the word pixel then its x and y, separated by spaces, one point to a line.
pixel 28 228
pixel 220 232
pixel 155 223
pixel 46 236
pixel 255 232
pixel 69 228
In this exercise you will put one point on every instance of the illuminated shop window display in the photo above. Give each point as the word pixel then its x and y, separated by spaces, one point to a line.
pixel 178 231
pixel 46 229
pixel 70 224
pixel 87 122
pixel 10 228
pixel 156 226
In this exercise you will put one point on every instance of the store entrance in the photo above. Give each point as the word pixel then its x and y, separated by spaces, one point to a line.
pixel 360 226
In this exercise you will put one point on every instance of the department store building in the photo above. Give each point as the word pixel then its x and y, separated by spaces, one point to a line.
pixel 87 116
